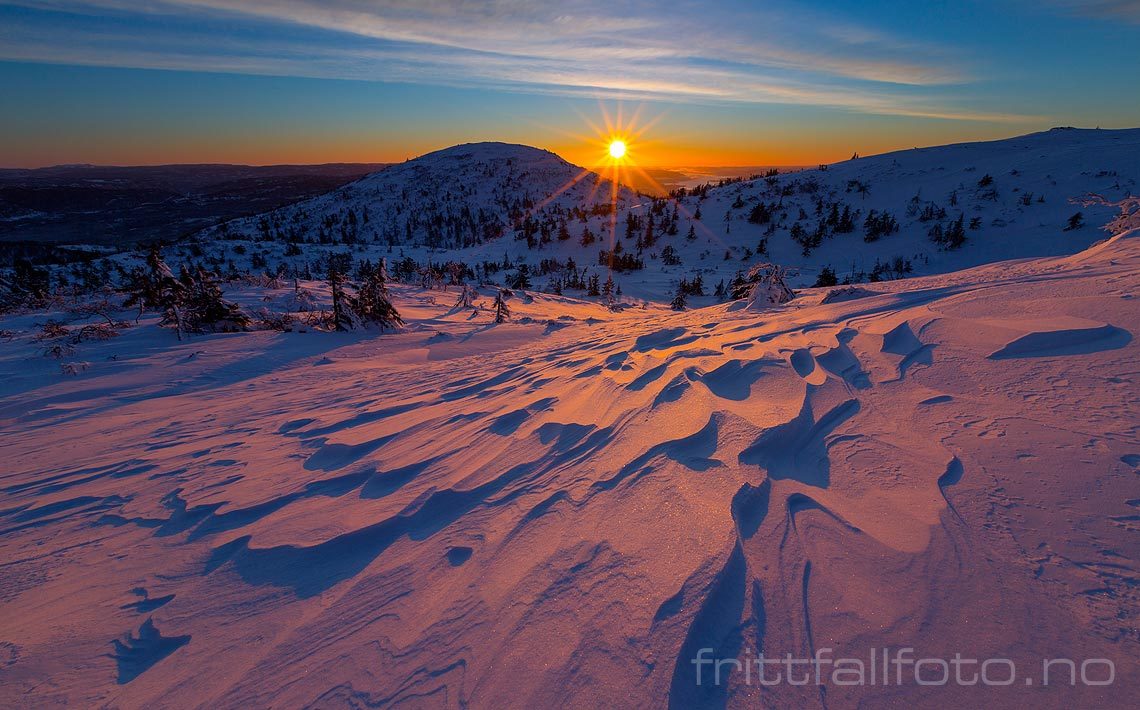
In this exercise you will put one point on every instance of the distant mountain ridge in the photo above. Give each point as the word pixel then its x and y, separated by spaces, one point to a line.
pixel 121 206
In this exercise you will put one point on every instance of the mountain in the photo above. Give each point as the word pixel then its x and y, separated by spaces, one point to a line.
pixel 1014 196
pixel 492 207
pixel 454 198
pixel 581 505
pixel 565 509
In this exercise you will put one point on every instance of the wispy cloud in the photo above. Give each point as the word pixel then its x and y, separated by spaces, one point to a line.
pixel 682 51
pixel 1126 10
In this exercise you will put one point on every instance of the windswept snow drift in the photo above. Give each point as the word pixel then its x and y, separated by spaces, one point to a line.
pixel 563 510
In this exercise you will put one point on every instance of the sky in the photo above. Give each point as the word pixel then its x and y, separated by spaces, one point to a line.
pixel 691 83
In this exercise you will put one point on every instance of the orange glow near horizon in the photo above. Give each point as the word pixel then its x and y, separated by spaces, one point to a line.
pixel 617 142
pixel 674 144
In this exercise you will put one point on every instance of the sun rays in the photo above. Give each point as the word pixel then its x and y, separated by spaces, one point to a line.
pixel 621 140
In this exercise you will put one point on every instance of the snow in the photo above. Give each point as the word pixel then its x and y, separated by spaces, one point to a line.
pixel 1039 181
pixel 564 509
pixel 451 197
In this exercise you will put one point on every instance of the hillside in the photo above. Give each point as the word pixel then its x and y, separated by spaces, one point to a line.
pixel 563 510
pixel 453 198
pixel 1014 196
pixel 492 208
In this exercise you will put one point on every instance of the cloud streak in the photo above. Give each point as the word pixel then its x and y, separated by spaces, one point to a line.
pixel 579 47
pixel 1126 10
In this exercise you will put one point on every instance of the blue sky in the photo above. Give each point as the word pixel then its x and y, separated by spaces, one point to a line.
pixel 269 81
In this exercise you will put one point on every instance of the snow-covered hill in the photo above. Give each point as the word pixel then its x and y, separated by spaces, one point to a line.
pixel 562 511
pixel 1014 196
pixel 867 219
pixel 453 198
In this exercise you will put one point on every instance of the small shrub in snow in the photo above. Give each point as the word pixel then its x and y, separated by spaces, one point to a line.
pixel 73 368
pixel 765 285
pixel 52 330
pixel 61 339
pixel 466 297
pixel 96 332
pixel 270 320
pixel 846 293
pixel 59 350
pixel 302 298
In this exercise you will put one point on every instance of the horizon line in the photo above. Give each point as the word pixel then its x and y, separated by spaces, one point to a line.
pixel 659 166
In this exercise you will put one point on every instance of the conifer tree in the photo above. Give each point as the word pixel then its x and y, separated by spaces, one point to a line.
pixel 502 311
pixel 205 305
pixel 826 277
pixel 521 278
pixel 1075 222
pixel 341 316
pixel 372 303
pixel 678 302
pixel 155 287
pixel 592 288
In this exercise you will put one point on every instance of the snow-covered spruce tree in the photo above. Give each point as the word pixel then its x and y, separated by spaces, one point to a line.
pixel 765 285
pixel 206 309
pixel 610 293
pixel 502 311
pixel 341 315
pixel 768 286
pixel 154 286
pixel 678 302
pixel 371 303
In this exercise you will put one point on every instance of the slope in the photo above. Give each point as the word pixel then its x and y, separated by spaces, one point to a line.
pixel 452 198
pixel 563 510
pixel 491 208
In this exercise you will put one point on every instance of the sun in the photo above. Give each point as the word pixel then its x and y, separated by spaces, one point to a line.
pixel 617 149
